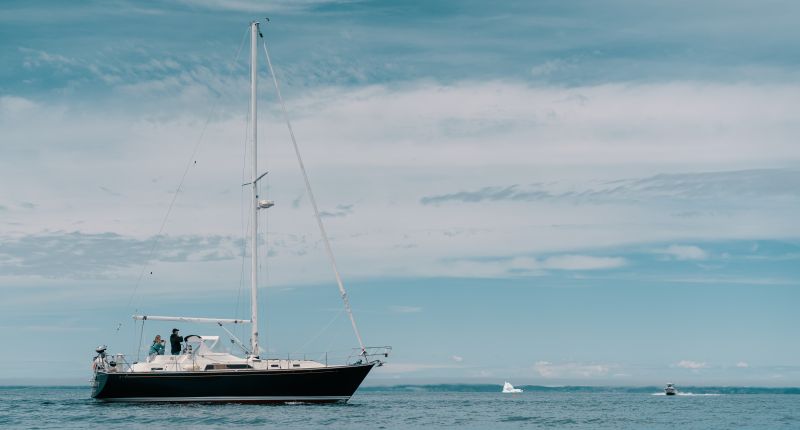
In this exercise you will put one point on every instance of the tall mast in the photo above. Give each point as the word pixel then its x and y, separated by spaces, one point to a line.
pixel 254 232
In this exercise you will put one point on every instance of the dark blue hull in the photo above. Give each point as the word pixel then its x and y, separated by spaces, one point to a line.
pixel 321 385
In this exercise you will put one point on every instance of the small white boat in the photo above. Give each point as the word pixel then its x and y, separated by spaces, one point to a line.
pixel 508 388
pixel 670 390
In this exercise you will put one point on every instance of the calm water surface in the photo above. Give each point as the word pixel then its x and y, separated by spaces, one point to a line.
pixel 70 407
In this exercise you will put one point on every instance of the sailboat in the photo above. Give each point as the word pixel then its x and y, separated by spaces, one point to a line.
pixel 203 372
pixel 509 389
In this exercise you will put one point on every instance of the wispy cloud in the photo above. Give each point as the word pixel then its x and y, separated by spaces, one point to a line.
pixel 582 262
pixel 258 6
pixel 406 309
pixel 683 252
pixel 110 191
pixel 11 105
pixel 36 58
pixel 52 328
pixel 341 211
pixel 525 265
pixel 713 186
pixel 690 364
pixel 546 369
pixel 511 192
pixel 85 255
pixel 395 367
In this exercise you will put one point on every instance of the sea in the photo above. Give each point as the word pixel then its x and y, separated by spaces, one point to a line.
pixel 425 407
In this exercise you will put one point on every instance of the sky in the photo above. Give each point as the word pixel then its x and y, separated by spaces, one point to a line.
pixel 546 192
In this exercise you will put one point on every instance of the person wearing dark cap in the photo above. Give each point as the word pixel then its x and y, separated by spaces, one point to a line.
pixel 175 341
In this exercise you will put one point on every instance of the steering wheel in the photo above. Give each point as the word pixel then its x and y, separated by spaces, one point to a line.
pixel 187 339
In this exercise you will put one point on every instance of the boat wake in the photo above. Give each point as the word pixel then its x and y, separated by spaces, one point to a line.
pixel 509 389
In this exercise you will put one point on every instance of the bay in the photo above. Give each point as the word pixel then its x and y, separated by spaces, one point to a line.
pixel 417 408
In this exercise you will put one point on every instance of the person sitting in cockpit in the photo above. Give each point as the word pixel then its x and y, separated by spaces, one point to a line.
pixel 157 348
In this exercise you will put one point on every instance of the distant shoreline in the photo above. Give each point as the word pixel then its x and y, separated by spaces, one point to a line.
pixel 491 388
pixel 581 388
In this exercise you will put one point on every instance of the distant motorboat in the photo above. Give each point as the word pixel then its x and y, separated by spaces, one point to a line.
pixel 670 390
pixel 508 388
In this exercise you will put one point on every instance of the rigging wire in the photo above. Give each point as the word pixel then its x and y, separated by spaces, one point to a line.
pixel 327 326
pixel 265 260
pixel 245 219
pixel 325 240
pixel 189 164
pixel 141 335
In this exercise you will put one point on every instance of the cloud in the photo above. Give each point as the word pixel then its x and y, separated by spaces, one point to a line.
pixel 712 186
pixel 297 200
pixel 684 252
pixel 510 192
pixel 361 142
pixel 693 365
pixel 524 265
pixel 567 58
pixel 406 309
pixel 36 58
pixel 80 255
pixel 110 191
pixel 256 5
pixel 457 358
pixel 549 67
pixel 341 211
pixel 10 105
pixel 395 367
pixel 61 327
pixel 482 373
pixel 421 124
pixel 742 365
pixel 546 369
pixel 728 280
pixel 582 262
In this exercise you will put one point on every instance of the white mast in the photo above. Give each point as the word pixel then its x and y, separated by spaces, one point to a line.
pixel 254 232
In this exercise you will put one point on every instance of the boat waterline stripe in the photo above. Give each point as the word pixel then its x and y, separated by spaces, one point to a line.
pixel 228 372
pixel 226 399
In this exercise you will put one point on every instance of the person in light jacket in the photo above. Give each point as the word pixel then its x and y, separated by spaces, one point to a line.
pixel 157 348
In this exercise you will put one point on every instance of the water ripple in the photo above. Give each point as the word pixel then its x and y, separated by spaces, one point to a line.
pixel 72 409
